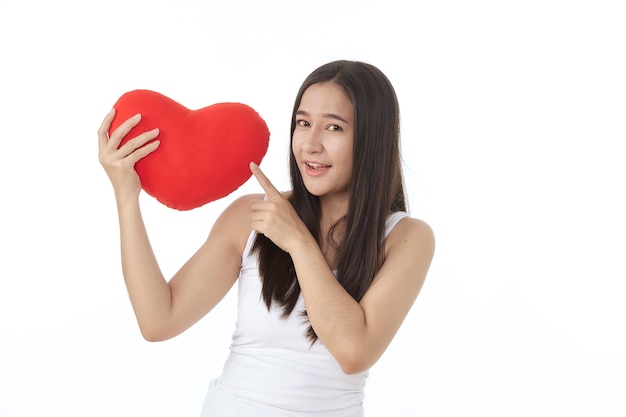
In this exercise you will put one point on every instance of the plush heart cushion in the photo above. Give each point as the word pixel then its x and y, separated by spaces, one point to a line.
pixel 204 154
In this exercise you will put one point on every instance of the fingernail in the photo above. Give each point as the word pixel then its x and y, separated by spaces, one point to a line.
pixel 137 116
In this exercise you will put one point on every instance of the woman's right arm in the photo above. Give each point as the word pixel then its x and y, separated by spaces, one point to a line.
pixel 165 309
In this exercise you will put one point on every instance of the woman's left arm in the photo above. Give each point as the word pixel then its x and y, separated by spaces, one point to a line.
pixel 356 333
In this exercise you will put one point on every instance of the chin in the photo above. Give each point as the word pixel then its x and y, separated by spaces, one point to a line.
pixel 314 191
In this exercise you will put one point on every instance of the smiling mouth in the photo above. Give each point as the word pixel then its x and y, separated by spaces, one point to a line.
pixel 315 166
pixel 314 169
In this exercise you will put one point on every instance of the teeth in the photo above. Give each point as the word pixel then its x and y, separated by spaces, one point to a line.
pixel 314 166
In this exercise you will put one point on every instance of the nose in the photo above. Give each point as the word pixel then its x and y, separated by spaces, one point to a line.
pixel 311 142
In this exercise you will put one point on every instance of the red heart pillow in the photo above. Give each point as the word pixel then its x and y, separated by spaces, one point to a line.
pixel 204 154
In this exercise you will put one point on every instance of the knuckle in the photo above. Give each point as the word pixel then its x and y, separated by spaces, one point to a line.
pixel 132 143
pixel 141 152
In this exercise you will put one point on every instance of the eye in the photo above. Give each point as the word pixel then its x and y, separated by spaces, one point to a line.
pixel 334 128
pixel 302 123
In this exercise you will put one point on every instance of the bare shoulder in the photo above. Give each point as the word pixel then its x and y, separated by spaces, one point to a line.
pixel 241 205
pixel 233 225
pixel 414 232
pixel 410 246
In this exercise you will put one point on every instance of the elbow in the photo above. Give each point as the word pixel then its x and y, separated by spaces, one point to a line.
pixel 354 362
pixel 353 367
pixel 150 337
pixel 153 334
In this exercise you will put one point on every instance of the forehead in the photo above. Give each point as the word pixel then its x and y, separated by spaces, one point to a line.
pixel 328 97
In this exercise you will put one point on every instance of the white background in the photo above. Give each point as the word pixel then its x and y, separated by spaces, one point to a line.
pixel 513 126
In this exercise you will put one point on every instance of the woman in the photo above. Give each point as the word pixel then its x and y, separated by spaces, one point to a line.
pixel 326 272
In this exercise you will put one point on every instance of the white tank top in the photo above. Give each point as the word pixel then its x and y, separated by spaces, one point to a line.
pixel 272 369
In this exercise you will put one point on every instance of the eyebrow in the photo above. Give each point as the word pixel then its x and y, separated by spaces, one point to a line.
pixel 326 115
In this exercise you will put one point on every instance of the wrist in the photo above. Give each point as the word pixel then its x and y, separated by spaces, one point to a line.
pixel 304 245
pixel 126 199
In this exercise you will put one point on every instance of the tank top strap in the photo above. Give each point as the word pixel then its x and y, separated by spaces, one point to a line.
pixel 392 220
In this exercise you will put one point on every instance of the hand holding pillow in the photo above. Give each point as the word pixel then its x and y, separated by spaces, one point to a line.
pixel 203 155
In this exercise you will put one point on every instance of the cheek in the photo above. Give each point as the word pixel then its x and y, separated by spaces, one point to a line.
pixel 349 158
pixel 295 144
pixel 344 151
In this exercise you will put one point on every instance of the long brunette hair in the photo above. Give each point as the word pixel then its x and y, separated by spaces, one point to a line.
pixel 376 189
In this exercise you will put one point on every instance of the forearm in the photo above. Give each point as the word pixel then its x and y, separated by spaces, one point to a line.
pixel 149 292
pixel 336 317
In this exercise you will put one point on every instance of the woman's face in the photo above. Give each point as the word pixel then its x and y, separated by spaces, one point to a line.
pixel 323 139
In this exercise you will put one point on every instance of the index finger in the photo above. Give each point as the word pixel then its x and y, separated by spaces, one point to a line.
pixel 103 136
pixel 268 187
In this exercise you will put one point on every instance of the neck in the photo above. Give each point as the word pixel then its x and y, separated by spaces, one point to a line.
pixel 332 209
